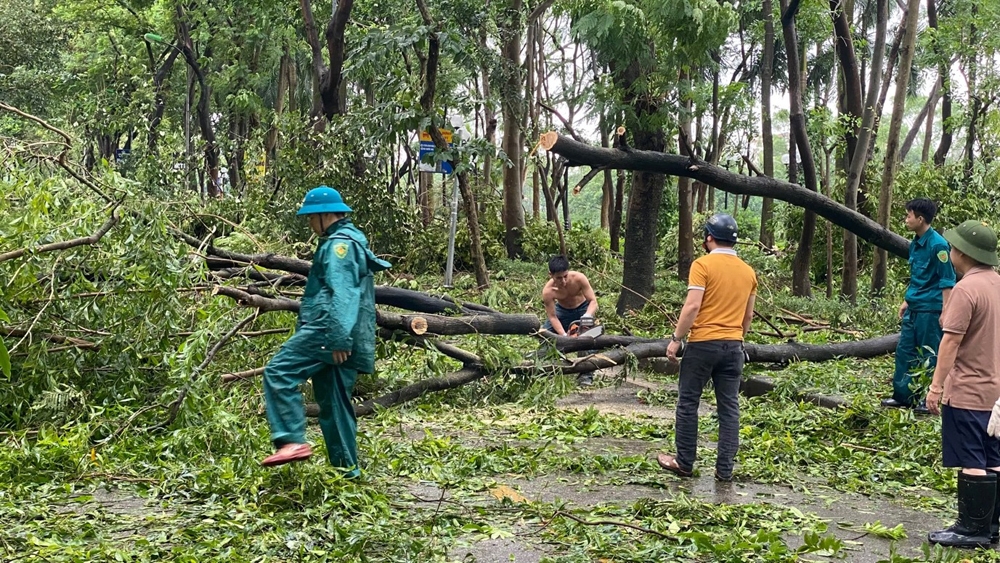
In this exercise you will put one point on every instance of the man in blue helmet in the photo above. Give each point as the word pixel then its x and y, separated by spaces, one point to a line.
pixel 334 339
pixel 717 312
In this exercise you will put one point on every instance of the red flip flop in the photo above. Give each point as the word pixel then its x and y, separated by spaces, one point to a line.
pixel 287 454
pixel 669 463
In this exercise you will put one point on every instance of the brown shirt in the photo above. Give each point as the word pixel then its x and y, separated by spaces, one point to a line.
pixel 974 311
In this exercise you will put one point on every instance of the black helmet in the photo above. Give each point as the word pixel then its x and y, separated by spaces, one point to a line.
pixel 722 227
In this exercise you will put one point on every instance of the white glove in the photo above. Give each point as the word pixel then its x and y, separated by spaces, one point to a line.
pixel 993 428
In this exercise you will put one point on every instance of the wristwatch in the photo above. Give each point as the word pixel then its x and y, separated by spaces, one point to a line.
pixel 674 338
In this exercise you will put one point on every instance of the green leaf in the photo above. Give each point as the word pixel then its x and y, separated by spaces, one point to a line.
pixel 4 360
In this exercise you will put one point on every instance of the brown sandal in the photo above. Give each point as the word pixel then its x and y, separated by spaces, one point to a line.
pixel 669 463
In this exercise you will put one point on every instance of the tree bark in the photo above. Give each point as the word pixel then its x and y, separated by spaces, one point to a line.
pixel 803 255
pixel 849 279
pixel 767 133
pixel 639 272
pixel 641 221
pixel 581 154
pixel 685 196
pixel 334 102
pixel 451 326
pixel 513 111
pixel 616 215
pixel 844 43
pixel 906 51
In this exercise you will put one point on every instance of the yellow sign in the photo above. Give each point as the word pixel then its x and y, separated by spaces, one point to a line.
pixel 426 137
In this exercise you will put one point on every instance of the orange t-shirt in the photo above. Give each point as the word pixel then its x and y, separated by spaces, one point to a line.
pixel 728 283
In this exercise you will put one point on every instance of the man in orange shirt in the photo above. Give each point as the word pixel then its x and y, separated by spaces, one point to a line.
pixel 966 385
pixel 718 310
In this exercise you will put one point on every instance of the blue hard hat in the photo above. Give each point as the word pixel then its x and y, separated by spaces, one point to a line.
pixel 722 227
pixel 323 199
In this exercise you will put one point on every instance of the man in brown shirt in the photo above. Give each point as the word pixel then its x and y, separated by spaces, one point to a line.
pixel 966 385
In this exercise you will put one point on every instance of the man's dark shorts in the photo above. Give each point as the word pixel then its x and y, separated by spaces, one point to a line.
pixel 964 441
pixel 567 316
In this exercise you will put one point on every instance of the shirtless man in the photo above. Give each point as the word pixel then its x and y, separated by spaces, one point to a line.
pixel 567 296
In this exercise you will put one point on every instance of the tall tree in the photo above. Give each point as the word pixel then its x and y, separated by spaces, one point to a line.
pixel 767 130
pixel 803 255
pixel 907 48
pixel 849 281
pixel 513 109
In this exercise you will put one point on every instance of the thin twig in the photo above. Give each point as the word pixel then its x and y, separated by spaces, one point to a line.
pixel 769 323
pixel 34 321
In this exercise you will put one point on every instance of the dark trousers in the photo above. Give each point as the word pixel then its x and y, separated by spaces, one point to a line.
pixel 567 316
pixel 332 386
pixel 720 361
pixel 919 338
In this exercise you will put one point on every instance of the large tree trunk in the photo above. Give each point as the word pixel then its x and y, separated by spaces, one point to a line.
pixel 803 255
pixel 644 199
pixel 332 89
pixel 767 133
pixel 844 46
pixel 849 280
pixel 581 154
pixel 907 48
pixel 513 111
pixel 685 203
pixel 763 353
pixel 641 231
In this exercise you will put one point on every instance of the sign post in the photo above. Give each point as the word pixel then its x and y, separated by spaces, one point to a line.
pixel 449 268
pixel 427 148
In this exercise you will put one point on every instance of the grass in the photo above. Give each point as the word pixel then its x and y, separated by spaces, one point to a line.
pixel 197 492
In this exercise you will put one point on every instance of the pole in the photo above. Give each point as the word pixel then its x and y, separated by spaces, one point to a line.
pixel 451 233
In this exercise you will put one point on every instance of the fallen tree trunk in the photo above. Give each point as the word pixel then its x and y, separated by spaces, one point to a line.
pixel 227 261
pixel 474 324
pixel 415 324
pixel 795 351
pixel 640 350
pixel 582 154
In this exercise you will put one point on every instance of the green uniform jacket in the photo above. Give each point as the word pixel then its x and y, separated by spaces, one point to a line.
pixel 931 272
pixel 338 307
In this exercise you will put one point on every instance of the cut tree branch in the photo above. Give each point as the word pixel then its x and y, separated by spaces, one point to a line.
pixel 82 241
pixel 384 295
pixel 580 154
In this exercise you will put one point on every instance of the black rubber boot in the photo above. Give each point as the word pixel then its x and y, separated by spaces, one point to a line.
pixel 995 521
pixel 976 500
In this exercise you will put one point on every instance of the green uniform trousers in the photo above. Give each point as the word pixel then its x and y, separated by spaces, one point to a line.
pixel 332 386
pixel 919 338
